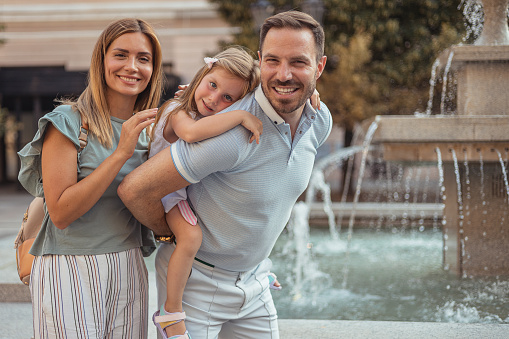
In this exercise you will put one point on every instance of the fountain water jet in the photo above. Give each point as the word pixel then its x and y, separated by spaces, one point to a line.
pixel 474 243
pixel 472 239
pixel 494 31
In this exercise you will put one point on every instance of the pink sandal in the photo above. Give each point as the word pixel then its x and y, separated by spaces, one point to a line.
pixel 272 281
pixel 162 320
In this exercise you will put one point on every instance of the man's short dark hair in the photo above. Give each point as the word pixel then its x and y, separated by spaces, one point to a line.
pixel 295 20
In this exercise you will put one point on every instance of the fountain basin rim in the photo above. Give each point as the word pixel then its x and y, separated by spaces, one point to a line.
pixel 474 53
pixel 440 128
pixel 378 209
pixel 417 139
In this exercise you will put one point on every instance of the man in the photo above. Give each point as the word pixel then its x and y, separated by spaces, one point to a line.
pixel 242 193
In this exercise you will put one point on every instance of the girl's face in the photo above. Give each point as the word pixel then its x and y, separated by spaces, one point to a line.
pixel 128 66
pixel 217 90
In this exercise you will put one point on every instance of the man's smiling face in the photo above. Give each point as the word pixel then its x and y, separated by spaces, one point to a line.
pixel 289 69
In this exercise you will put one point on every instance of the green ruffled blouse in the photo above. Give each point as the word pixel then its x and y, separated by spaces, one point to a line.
pixel 108 226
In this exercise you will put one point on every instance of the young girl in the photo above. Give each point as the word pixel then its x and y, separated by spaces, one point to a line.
pixel 88 277
pixel 224 79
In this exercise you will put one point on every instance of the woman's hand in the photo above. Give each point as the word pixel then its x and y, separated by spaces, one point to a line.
pixel 66 198
pixel 131 130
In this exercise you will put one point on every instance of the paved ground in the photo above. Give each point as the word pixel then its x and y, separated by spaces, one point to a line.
pixel 16 312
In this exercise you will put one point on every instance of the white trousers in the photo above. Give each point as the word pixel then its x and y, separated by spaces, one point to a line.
pixel 223 304
pixel 90 296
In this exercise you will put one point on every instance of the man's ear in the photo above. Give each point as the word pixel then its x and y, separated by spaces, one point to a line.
pixel 259 56
pixel 321 66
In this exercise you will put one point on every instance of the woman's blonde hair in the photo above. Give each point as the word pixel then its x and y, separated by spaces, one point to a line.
pixel 92 103
pixel 236 60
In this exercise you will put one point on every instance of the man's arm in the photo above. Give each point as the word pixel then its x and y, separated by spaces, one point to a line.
pixel 142 190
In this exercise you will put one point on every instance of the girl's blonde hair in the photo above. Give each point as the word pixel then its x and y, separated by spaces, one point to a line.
pixel 236 59
pixel 92 103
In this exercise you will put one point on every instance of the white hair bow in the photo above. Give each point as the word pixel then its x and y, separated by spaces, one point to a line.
pixel 210 61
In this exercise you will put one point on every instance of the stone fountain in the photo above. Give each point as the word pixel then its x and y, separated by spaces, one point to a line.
pixel 472 145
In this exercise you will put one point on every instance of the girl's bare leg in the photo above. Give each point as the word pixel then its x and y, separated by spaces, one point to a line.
pixel 188 241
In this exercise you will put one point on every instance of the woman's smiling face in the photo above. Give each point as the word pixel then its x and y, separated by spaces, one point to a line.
pixel 128 65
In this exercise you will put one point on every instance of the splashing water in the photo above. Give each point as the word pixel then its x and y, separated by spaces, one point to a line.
pixel 461 216
pixel 460 313
pixel 317 183
pixel 444 82
pixel 483 194
pixel 305 271
pixel 440 166
pixel 432 83
pixel 401 280
pixel 367 142
pixel 474 18
pixel 504 173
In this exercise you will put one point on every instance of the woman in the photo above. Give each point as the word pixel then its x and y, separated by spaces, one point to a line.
pixel 89 278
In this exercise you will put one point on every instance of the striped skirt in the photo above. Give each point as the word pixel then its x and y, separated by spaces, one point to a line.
pixel 90 296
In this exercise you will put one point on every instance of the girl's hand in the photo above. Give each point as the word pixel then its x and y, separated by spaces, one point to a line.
pixel 315 100
pixel 253 124
pixel 131 130
pixel 181 90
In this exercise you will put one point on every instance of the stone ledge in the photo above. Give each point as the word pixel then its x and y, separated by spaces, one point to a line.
pixel 440 128
pixel 294 328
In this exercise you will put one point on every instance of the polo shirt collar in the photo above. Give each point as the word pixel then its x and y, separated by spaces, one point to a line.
pixel 267 107
pixel 271 113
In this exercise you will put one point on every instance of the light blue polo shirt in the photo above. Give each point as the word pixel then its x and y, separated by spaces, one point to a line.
pixel 243 193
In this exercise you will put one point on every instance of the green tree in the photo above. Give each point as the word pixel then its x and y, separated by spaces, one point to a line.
pixel 380 52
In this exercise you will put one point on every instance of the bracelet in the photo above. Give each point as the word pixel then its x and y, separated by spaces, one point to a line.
pixel 166 239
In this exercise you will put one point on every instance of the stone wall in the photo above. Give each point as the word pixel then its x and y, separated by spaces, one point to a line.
pixel 62 33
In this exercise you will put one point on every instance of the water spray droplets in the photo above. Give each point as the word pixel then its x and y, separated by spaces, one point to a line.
pixel 504 172
pixel 474 17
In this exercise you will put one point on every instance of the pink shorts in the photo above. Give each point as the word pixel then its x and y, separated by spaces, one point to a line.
pixel 187 212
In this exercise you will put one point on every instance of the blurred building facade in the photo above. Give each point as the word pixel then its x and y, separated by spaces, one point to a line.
pixel 47 44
